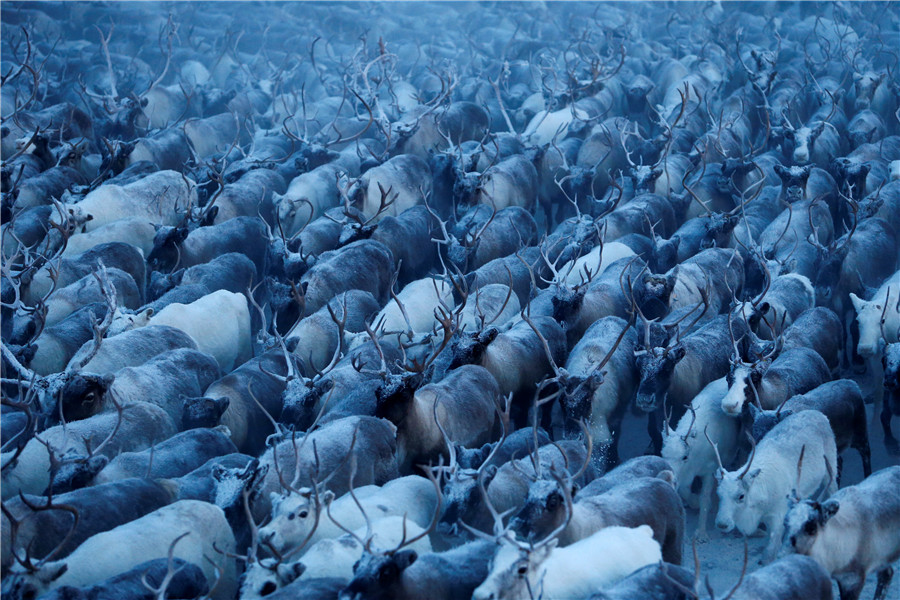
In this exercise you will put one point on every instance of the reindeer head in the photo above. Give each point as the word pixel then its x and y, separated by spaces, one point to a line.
pixel 166 247
pixel 203 412
pixel 741 504
pixel 803 522
pixel 656 366
pixel 379 573
pixel 544 509
pixel 294 515
pixel 82 395
pixel 793 181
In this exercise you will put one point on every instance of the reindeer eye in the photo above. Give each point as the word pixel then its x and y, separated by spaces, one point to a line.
pixel 267 588
pixel 522 569
pixel 809 528
pixel 291 517
pixel 684 457
pixel 303 514
pixel 741 498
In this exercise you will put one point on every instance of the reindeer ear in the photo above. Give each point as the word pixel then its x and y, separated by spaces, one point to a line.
pixel 221 405
pixel 96 464
pixel 488 335
pixel 180 234
pixel 54 571
pixel 858 303
pixel 720 475
pixel 288 573
pixel 829 509
pixel 752 474
pixel 406 558
pixel 219 472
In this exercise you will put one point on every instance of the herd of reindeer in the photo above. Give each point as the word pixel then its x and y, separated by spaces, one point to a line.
pixel 350 300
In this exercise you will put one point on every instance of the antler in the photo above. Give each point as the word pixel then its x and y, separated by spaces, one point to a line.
pixel 100 329
pixel 752 456
pixel 171 572
pixel 525 314
pixel 429 472
pixel 26 561
pixel 715 448
pixel 104 42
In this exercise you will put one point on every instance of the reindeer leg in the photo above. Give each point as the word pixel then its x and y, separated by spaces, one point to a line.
pixel 884 582
pixel 706 500
pixel 851 585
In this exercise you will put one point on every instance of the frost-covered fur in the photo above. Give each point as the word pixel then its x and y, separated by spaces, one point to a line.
pixel 607 399
pixel 544 126
pixel 166 380
pixel 227 339
pixel 160 198
pixel 112 552
pixel 690 455
pixel 294 515
pixel 852 534
pixel 418 299
pixel 332 557
pixel 868 317
pixel 574 571
pixel 131 348
pixel 760 496
pixel 134 230
pixel 86 290
pixel 795 371
pixel 142 425
pixel 325 450
pixel 594 262
pixel 489 301
pixel 310 194
pixel 406 179
pixel 786 299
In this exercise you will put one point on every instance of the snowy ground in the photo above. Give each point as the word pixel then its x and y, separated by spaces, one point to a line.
pixel 721 558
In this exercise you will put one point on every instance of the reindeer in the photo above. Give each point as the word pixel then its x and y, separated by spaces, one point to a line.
pixel 521 569
pixel 758 492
